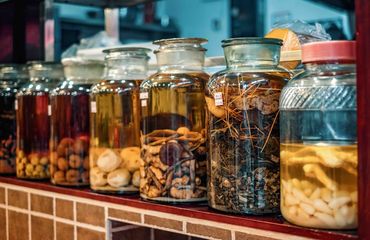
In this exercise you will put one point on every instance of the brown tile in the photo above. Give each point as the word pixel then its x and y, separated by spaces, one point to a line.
pixel 242 236
pixel 2 195
pixel 42 228
pixel 2 224
pixel 124 215
pixel 17 199
pixel 208 231
pixel 64 208
pixel 163 222
pixel 64 231
pixel 42 204
pixel 91 214
pixel 18 226
pixel 87 234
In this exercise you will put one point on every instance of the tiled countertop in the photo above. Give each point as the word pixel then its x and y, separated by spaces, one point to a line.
pixel 83 211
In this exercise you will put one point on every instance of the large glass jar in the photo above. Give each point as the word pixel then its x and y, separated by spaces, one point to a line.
pixel 10 75
pixel 243 127
pixel 115 122
pixel 33 120
pixel 319 139
pixel 70 122
pixel 173 138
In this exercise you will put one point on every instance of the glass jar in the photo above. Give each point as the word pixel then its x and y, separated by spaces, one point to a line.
pixel 243 127
pixel 33 120
pixel 115 122
pixel 10 74
pixel 70 122
pixel 319 139
pixel 173 124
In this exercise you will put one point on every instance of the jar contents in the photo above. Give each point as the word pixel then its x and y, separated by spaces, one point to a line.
pixel 10 75
pixel 318 185
pixel 173 150
pixel 115 122
pixel 244 144
pixel 243 128
pixel 70 123
pixel 33 142
pixel 33 123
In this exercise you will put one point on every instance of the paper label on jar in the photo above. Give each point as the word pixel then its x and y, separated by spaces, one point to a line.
pixel 144 103
pixel 144 95
pixel 49 110
pixel 218 99
pixel 93 107
pixel 16 105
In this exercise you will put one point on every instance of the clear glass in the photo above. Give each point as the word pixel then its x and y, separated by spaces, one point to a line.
pixel 115 122
pixel 70 122
pixel 319 147
pixel 33 120
pixel 173 124
pixel 243 128
pixel 10 74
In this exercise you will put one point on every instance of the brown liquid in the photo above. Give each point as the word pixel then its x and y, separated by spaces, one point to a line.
pixel 173 146
pixel 324 178
pixel 115 128
pixel 70 136
pixel 33 131
pixel 243 133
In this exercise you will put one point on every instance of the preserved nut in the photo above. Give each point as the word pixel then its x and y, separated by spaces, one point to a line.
pixel 44 161
pixel 59 176
pixel 20 154
pixel 62 150
pixel 29 168
pixel 80 146
pixel 39 168
pixel 183 130
pixel 108 161
pixel 119 178
pixel 43 174
pixel 86 163
pixel 170 153
pixel 98 178
pixel 136 179
pixel 73 175
pixel 34 159
pixel 53 169
pixel 75 161
pixel 24 160
pixel 62 164
pixel 66 142
pixel 130 158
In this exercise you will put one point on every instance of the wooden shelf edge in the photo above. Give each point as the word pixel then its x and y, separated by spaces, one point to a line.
pixel 201 212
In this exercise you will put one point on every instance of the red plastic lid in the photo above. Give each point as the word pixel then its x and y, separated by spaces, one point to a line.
pixel 329 51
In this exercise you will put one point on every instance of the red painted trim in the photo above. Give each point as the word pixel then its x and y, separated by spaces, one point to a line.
pixel 201 212
pixel 363 108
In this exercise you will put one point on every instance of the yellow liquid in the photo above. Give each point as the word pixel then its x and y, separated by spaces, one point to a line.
pixel 319 185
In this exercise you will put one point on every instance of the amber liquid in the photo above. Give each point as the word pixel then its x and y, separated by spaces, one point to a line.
pixel 70 136
pixel 33 133
pixel 7 133
pixel 115 125
pixel 175 105
pixel 243 133
pixel 319 185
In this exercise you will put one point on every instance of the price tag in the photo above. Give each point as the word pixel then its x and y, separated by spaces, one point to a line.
pixel 218 99
pixel 144 103
pixel 49 110
pixel 93 107
pixel 144 95
pixel 16 105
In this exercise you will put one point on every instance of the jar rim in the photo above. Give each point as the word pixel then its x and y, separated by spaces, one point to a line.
pixel 127 49
pixel 80 61
pixel 197 41
pixel 251 40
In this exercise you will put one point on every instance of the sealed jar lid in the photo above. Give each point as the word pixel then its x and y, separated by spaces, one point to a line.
pixel 327 51
pixel 13 71
pixel 45 70
pixel 185 44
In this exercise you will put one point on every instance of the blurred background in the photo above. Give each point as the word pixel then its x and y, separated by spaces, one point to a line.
pixel 44 29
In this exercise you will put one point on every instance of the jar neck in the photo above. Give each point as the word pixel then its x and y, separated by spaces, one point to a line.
pixel 332 67
pixel 83 73
pixel 180 61
pixel 261 56
pixel 126 68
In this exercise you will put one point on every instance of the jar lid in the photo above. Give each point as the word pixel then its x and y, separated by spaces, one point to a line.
pixel 329 51
pixel 126 52
pixel 250 40
pixel 186 44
